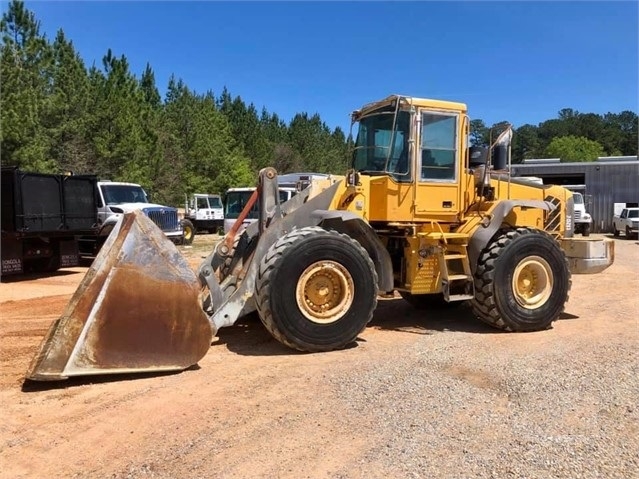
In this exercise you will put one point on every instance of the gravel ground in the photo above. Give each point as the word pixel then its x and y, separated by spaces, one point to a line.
pixel 421 395
pixel 445 412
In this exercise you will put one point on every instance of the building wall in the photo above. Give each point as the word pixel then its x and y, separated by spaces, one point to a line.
pixel 606 182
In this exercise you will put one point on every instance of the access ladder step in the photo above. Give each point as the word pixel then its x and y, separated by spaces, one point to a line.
pixel 459 297
pixel 454 256
pixel 459 277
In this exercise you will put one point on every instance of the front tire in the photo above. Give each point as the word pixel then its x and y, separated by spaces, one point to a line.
pixel 316 290
pixel 586 230
pixel 615 232
pixel 189 232
pixel 522 281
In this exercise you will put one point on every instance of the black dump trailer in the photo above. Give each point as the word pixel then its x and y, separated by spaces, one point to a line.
pixel 42 217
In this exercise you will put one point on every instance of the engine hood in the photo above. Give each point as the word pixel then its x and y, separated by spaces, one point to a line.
pixel 128 207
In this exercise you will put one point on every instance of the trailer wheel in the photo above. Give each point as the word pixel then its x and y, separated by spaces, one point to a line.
pixel 316 289
pixel 522 281
pixel 189 232
pixel 428 301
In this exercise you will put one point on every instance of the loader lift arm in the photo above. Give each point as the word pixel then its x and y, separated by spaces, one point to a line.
pixel 235 269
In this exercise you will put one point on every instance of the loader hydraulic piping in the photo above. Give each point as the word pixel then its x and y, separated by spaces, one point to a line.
pixel 240 300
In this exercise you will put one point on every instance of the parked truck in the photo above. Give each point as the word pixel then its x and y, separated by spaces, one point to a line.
pixel 42 217
pixel 202 212
pixel 117 198
pixel 627 221
pixel 288 186
pixel 582 219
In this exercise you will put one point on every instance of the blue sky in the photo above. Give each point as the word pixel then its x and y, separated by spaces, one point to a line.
pixel 515 61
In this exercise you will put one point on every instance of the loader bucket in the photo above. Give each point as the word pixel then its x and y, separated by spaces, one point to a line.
pixel 136 310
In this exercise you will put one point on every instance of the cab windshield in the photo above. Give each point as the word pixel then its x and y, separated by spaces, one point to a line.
pixel 382 143
pixel 235 202
pixel 215 202
pixel 118 194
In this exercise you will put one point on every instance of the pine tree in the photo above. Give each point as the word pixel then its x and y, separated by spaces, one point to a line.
pixel 68 109
pixel 25 61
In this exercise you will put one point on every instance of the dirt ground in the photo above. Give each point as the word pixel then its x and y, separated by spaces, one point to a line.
pixel 251 407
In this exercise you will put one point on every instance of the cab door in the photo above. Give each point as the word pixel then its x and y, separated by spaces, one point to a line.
pixel 438 165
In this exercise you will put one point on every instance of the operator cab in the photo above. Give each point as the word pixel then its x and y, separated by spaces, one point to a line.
pixel 418 147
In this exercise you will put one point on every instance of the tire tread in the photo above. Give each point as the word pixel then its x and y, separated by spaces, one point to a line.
pixel 270 263
pixel 483 305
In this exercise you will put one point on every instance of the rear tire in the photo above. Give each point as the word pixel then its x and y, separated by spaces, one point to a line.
pixel 316 290
pixel 189 232
pixel 522 281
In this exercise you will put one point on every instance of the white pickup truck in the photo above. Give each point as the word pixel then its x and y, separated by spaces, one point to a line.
pixel 627 221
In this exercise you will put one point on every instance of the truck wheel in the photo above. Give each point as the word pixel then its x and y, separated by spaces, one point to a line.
pixel 189 232
pixel 522 281
pixel 615 232
pixel 316 289
pixel 628 232
pixel 586 230
pixel 43 265
pixel 428 301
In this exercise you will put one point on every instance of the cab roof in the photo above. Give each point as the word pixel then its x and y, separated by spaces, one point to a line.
pixel 407 101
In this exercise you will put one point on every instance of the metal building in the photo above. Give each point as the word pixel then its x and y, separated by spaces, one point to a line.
pixel 609 180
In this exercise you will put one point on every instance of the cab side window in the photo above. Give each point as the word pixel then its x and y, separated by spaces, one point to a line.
pixel 439 147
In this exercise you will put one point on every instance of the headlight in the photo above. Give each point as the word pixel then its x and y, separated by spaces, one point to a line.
pixel 116 210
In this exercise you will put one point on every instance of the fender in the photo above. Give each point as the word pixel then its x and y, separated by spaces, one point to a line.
pixel 107 226
pixel 485 232
pixel 355 227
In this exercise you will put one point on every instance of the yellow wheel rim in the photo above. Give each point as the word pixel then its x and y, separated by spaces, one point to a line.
pixel 532 282
pixel 324 292
pixel 188 233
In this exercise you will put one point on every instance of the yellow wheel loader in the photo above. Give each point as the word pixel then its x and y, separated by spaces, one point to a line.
pixel 419 212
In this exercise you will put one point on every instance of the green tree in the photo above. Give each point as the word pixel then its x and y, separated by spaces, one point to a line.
pixel 526 143
pixel 574 148
pixel 67 109
pixel 478 133
pixel 199 145
pixel 25 61
pixel 116 122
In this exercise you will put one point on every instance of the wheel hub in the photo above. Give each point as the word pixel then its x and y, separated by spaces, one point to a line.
pixel 532 282
pixel 324 292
